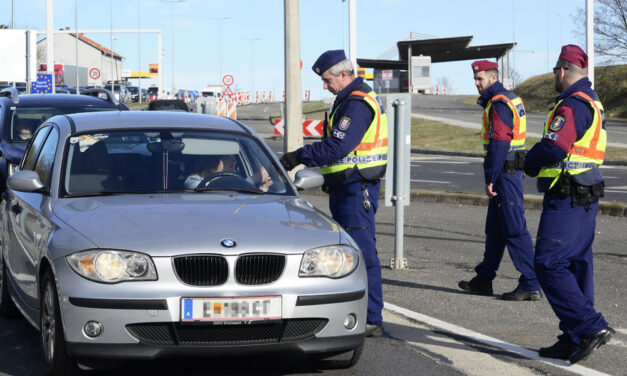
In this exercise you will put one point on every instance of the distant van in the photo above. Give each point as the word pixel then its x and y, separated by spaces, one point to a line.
pixel 211 91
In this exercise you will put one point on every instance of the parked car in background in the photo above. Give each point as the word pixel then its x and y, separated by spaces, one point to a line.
pixel 153 93
pixel 134 91
pixel 168 105
pixel 145 95
pixel 20 115
pixel 132 262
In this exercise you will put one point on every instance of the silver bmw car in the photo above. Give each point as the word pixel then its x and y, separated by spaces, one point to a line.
pixel 137 235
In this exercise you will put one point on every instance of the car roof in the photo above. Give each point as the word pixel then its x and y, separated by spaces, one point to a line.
pixel 59 100
pixel 100 121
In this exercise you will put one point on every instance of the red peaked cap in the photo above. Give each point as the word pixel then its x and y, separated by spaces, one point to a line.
pixel 575 55
pixel 483 65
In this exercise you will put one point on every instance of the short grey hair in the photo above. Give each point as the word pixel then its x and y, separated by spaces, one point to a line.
pixel 344 65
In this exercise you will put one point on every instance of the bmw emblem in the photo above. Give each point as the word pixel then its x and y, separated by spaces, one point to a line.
pixel 228 243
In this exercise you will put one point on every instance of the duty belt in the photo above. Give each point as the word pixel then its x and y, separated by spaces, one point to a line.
pixel 569 165
pixel 354 159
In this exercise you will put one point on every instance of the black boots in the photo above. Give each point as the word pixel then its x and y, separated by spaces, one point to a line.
pixel 477 286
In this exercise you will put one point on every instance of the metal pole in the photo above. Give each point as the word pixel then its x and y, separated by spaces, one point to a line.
pixel 160 67
pixel 352 33
pixel 139 47
pixel 28 57
pixel 410 86
pixel 399 261
pixel 76 29
pixel 590 39
pixel 13 16
pixel 112 89
pixel 547 36
pixel 293 138
pixel 50 42
pixel 172 50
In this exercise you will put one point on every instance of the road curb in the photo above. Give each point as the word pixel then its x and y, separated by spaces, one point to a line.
pixel 532 202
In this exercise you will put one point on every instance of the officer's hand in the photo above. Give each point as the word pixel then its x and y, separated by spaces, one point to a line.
pixel 489 190
pixel 532 171
pixel 290 160
pixel 326 188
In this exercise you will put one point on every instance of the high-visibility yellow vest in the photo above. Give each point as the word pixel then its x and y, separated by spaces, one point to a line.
pixel 370 156
pixel 587 152
pixel 517 107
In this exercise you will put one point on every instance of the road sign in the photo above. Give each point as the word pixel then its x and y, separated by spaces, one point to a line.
pixel 228 80
pixel 43 85
pixel 94 73
pixel 387 75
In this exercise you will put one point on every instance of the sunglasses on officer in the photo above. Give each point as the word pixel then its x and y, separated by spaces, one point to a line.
pixel 555 69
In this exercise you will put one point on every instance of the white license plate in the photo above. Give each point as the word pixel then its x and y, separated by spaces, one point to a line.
pixel 231 309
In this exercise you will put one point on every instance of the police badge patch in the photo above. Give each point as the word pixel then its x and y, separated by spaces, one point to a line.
pixel 557 124
pixel 344 123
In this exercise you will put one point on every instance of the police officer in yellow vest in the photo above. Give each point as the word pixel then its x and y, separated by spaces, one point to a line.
pixel 353 158
pixel 567 161
pixel 503 138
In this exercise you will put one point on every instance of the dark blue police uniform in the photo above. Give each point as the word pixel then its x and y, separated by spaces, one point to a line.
pixel 505 222
pixel 563 259
pixel 346 199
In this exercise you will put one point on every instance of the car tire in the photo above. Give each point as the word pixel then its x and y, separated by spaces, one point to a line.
pixel 57 361
pixel 8 309
pixel 337 361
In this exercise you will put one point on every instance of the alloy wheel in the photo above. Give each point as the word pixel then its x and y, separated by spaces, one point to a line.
pixel 48 323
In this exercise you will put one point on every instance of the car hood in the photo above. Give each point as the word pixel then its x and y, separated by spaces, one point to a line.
pixel 172 224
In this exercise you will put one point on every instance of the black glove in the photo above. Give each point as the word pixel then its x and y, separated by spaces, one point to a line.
pixel 290 160
pixel 532 171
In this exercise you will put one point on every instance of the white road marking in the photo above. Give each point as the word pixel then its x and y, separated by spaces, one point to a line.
pixel 457 173
pixel 614 191
pixel 430 181
pixel 494 342
pixel 620 330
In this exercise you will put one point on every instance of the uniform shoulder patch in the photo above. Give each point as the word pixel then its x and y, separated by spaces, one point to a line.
pixel 557 124
pixel 345 122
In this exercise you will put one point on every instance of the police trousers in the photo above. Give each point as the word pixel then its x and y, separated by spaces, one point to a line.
pixel 346 203
pixel 506 226
pixel 564 266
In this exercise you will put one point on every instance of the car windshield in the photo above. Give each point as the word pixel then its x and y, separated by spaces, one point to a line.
pixel 25 120
pixel 173 105
pixel 170 160
pixel 133 89
pixel 153 90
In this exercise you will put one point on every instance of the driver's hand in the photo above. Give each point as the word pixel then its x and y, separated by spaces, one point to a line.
pixel 263 179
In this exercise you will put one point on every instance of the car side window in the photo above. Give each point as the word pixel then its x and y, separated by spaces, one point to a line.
pixel 34 148
pixel 45 161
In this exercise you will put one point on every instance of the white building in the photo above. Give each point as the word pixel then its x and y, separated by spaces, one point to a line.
pixel 94 59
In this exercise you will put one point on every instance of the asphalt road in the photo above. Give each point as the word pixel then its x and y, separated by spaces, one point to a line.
pixel 450 108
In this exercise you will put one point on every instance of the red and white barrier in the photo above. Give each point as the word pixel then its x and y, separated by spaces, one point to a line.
pixel 310 127
pixel 226 109
pixel 437 90
pixel 307 95
pixel 283 96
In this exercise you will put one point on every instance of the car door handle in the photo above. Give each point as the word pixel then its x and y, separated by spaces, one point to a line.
pixel 16 208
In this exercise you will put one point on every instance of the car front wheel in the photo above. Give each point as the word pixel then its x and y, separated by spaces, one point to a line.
pixel 53 348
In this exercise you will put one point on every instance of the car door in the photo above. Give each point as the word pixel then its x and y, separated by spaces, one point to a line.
pixel 27 217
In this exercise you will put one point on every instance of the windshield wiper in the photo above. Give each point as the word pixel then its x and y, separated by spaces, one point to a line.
pixel 242 190
pixel 104 193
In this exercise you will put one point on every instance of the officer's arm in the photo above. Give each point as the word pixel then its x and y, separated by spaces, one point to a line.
pixel 557 141
pixel 500 138
pixel 350 125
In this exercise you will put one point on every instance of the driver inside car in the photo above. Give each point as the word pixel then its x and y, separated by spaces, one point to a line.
pixel 227 163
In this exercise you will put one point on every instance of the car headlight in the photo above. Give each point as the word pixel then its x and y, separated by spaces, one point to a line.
pixel 111 266
pixel 332 261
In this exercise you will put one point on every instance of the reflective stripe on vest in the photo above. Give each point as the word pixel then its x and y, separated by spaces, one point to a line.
pixel 370 156
pixel 519 118
pixel 587 152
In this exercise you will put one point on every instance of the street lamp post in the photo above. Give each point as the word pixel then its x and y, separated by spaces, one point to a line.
pixel 219 19
pixel 172 2
pixel 252 47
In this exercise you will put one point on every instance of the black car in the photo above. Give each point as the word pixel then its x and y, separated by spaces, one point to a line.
pixel 168 105
pixel 20 115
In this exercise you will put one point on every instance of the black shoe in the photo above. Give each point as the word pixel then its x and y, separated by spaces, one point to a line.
pixel 591 342
pixel 478 286
pixel 560 350
pixel 373 330
pixel 519 295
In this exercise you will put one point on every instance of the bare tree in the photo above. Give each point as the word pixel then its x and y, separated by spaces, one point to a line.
pixel 4 27
pixel 610 28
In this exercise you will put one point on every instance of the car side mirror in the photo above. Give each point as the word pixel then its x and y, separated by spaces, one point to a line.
pixel 308 179
pixel 25 181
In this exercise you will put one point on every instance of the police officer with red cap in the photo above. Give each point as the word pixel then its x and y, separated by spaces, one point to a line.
pixel 503 138
pixel 353 158
pixel 567 161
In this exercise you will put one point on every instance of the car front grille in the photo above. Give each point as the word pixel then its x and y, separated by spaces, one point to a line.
pixel 259 269
pixel 167 333
pixel 201 270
